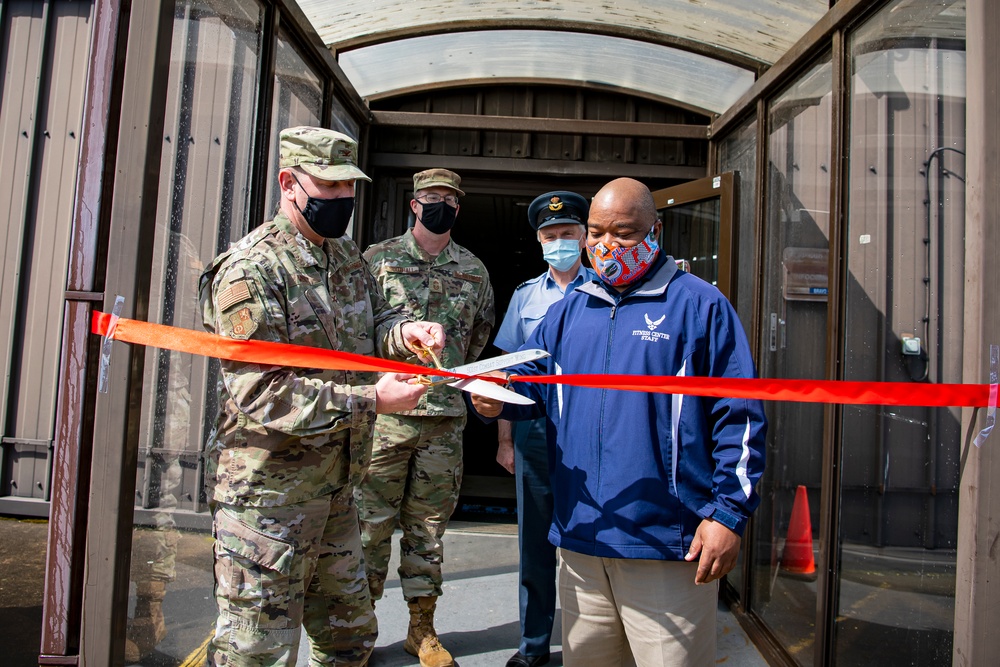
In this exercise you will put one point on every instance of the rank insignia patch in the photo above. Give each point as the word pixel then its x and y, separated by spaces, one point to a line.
pixel 243 323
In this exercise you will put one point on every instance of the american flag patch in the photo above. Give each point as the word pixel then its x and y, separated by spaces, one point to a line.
pixel 236 293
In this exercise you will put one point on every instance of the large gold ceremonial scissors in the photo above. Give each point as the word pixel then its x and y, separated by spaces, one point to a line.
pixel 477 386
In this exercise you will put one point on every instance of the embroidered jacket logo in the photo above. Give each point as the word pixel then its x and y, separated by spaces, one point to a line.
pixel 650 333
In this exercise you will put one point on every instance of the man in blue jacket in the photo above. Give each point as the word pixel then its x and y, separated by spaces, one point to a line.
pixel 651 491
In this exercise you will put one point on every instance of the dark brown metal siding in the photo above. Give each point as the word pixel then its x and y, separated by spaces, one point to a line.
pixel 541 101
pixel 44 49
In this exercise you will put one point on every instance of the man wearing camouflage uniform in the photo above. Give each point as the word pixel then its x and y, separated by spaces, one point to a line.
pixel 290 444
pixel 416 468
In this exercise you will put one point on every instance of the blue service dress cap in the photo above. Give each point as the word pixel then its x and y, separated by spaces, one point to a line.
pixel 557 208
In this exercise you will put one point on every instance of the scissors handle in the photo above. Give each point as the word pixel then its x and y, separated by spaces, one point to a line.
pixel 424 351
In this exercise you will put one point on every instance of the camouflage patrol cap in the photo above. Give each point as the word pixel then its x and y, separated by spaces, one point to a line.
pixel 322 153
pixel 430 178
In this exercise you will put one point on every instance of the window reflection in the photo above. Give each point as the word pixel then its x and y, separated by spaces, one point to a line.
pixel 738 153
pixel 298 100
pixel 691 232
pixel 792 343
pixel 202 204
pixel 905 257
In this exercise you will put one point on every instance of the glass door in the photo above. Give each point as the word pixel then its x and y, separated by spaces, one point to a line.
pixel 904 314
pixel 792 341
pixel 698 228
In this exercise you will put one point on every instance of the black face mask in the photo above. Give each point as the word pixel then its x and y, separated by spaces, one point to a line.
pixel 327 217
pixel 438 218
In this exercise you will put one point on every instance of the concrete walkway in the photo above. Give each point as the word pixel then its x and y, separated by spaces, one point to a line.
pixel 477 615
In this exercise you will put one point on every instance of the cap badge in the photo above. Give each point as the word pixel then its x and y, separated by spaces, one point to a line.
pixel 555 204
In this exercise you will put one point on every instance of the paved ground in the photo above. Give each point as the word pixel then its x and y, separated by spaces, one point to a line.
pixel 22 572
pixel 477 616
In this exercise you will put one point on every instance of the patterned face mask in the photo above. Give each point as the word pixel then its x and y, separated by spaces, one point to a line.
pixel 621 266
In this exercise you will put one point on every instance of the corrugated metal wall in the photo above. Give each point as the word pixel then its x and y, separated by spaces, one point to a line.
pixel 44 52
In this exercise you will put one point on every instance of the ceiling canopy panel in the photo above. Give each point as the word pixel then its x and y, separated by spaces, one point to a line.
pixel 669 74
pixel 737 31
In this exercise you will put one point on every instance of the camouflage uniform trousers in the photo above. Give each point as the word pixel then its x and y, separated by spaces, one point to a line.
pixel 278 569
pixel 413 481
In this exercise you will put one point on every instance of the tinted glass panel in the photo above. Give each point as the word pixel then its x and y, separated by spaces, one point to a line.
pixel 203 198
pixel 738 153
pixel 904 289
pixel 792 344
pixel 691 233
pixel 298 100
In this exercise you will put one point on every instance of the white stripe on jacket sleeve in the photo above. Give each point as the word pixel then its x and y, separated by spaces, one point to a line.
pixel 676 403
pixel 741 467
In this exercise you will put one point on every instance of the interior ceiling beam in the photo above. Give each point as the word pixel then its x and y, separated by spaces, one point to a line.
pixel 522 166
pixel 604 128
pixel 658 37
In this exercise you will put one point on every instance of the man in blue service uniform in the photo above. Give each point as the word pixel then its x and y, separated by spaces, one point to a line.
pixel 558 219
pixel 643 484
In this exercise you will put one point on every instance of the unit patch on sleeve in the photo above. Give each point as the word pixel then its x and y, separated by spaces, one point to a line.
pixel 236 293
pixel 242 323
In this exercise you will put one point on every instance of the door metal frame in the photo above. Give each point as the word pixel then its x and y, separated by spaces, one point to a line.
pixel 93 487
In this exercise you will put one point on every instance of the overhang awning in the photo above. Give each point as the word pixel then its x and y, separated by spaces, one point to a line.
pixel 701 54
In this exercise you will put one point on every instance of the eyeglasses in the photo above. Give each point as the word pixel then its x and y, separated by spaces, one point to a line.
pixel 434 198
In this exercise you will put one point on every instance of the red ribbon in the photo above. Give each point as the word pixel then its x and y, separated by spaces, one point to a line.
pixel 800 391
pixel 251 351
pixel 767 389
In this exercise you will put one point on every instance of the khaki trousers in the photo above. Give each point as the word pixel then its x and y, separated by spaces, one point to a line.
pixel 635 612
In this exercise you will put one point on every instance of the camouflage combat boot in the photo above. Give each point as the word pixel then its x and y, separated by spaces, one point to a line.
pixel 421 639
pixel 147 628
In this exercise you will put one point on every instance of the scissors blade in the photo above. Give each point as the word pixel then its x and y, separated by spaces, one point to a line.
pixel 503 361
pixel 492 390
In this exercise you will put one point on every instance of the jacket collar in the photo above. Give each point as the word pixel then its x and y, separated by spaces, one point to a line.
pixel 448 254
pixel 332 255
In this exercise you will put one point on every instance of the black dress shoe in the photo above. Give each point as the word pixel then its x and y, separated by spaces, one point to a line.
pixel 521 660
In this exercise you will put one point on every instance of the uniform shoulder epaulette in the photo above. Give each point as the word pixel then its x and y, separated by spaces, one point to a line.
pixel 529 281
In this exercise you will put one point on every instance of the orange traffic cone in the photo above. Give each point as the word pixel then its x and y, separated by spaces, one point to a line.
pixel 797 557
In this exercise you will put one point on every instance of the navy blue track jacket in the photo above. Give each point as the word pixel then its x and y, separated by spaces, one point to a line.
pixel 633 473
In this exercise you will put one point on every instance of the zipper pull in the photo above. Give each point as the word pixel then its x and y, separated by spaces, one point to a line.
pixel 613 309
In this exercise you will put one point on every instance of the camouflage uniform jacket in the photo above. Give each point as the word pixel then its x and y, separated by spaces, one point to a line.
pixel 281 431
pixel 452 289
